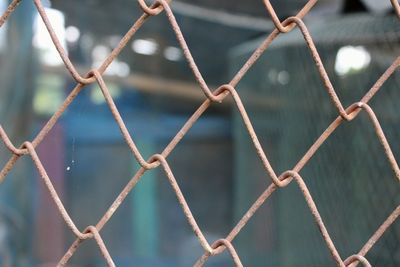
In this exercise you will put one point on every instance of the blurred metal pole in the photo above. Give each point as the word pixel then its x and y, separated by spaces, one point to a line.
pixel 16 79
pixel 16 75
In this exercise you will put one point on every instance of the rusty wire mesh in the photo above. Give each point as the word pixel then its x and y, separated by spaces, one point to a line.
pixel 212 97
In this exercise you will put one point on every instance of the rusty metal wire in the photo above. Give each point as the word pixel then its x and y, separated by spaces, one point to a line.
pixel 160 160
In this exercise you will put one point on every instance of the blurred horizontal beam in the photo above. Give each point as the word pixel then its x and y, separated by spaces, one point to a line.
pixel 220 17
pixel 175 88
pixel 144 83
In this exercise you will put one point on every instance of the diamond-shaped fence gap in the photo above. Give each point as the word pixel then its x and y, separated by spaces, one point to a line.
pixel 52 155
pixel 345 181
pixel 88 161
pixel 137 220
pixel 49 184
pixel 107 53
pixel 84 181
pixel 193 63
pixel 379 169
pixel 292 212
pixel 281 121
pixel 154 48
pixel 332 54
pixel 259 236
pixel 146 45
pixel 124 248
pixel 15 220
pixel 94 125
pixel 379 252
pixel 102 55
pixel 216 73
pixel 58 43
pixel 323 74
pixel 43 132
pixel 388 241
pixel 188 42
pixel 181 236
pixel 281 83
pixel 185 49
pixel 388 111
pixel 128 15
pixel 355 85
pixel 207 175
pixel 175 218
pixel 249 173
pixel 306 86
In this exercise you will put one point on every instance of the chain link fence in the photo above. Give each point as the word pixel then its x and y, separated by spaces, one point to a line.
pixel 213 97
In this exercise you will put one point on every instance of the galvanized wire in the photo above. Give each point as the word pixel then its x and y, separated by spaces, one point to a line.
pixel 212 97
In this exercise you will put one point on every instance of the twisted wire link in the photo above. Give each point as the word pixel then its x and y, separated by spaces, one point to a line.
pixel 212 96
pixel 357 258
pixel 286 26
pixel 217 244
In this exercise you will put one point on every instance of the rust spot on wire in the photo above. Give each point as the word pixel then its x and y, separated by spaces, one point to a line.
pixel 278 181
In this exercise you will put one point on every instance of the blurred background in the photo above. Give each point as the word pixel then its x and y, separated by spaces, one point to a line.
pixel 215 164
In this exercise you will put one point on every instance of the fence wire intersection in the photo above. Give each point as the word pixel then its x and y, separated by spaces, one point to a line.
pixel 216 96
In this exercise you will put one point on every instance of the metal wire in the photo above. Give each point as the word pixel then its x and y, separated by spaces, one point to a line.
pixel 160 160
